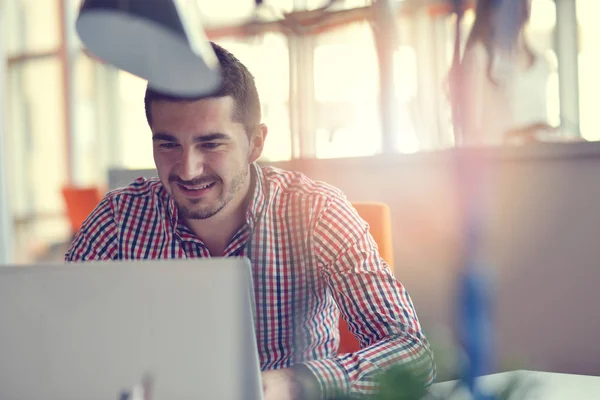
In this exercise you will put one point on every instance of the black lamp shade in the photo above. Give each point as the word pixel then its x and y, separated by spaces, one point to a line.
pixel 154 40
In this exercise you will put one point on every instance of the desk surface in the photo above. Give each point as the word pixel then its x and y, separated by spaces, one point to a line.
pixel 546 386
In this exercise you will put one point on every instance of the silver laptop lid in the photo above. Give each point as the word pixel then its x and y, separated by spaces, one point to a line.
pixel 95 330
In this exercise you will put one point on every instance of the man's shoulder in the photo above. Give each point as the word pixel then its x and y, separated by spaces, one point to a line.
pixel 142 192
pixel 297 183
pixel 139 188
pixel 118 213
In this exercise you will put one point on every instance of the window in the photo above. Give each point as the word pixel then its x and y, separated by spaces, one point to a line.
pixel 223 12
pixel 540 33
pixel 267 58
pixel 346 87
pixel 135 135
pixel 38 143
pixel 33 26
pixel 87 150
pixel 589 65
pixel 405 68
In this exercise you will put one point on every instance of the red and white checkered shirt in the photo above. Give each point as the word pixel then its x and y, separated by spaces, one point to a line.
pixel 311 255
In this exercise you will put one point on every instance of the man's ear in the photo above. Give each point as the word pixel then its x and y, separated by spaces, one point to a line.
pixel 257 142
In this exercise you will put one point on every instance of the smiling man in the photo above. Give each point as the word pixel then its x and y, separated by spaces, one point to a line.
pixel 203 153
pixel 312 255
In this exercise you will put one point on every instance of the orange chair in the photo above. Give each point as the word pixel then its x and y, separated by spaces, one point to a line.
pixel 80 203
pixel 377 215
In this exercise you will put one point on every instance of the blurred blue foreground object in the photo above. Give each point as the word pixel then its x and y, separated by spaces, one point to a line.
pixel 474 304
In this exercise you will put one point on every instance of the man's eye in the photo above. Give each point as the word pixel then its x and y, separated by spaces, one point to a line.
pixel 168 145
pixel 211 145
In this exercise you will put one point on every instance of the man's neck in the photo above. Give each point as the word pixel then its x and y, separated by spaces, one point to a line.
pixel 216 231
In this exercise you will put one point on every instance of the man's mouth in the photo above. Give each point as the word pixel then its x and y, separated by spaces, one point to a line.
pixel 195 190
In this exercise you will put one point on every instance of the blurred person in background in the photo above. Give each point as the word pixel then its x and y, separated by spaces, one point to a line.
pixel 504 80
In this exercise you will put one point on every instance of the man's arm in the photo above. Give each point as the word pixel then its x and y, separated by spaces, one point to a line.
pixel 376 306
pixel 97 238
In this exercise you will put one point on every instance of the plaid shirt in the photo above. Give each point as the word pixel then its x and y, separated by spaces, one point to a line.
pixel 311 255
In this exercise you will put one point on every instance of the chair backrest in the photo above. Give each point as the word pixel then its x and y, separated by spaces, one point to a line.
pixel 377 215
pixel 80 202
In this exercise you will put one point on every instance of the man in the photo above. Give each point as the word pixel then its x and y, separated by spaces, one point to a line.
pixel 310 251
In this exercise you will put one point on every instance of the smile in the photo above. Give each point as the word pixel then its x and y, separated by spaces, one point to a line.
pixel 195 190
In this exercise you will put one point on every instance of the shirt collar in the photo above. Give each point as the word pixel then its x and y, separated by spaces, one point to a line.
pixel 172 211
pixel 255 206
pixel 257 201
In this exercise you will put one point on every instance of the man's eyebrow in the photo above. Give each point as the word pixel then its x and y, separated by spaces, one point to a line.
pixel 164 136
pixel 167 137
pixel 210 137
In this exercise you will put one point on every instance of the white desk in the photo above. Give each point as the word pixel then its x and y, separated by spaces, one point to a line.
pixel 546 386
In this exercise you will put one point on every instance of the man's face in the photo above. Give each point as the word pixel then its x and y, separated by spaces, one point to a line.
pixel 201 154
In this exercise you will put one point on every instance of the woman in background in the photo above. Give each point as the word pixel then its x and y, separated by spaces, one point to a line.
pixel 504 81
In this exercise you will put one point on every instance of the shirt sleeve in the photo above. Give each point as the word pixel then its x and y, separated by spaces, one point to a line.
pixel 97 238
pixel 377 308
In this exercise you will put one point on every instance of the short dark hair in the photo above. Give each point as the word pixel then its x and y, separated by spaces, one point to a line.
pixel 237 82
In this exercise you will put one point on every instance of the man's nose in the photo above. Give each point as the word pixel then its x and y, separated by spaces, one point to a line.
pixel 191 165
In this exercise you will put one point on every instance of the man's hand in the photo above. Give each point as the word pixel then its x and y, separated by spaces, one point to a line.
pixel 296 383
pixel 281 384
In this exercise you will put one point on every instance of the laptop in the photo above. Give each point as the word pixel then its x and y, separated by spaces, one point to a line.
pixel 173 329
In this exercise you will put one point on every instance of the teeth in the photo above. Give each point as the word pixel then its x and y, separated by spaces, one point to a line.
pixel 196 188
